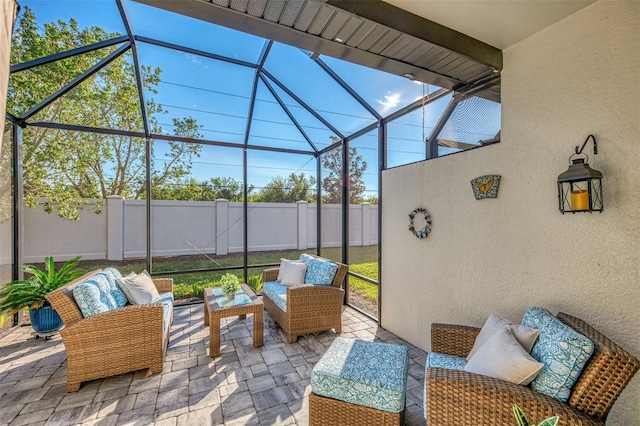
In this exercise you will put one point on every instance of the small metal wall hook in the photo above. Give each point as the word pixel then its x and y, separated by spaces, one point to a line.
pixel 595 145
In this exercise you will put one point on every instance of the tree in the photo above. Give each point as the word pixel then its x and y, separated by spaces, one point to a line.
pixel 67 167
pixel 211 190
pixel 332 184
pixel 295 187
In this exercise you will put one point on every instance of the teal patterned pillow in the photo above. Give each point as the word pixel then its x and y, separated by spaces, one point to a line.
pixel 450 362
pixel 319 271
pixel 563 351
pixel 112 275
pixel 369 374
pixel 277 293
pixel 91 299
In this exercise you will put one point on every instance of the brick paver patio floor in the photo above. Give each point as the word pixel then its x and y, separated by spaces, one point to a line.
pixel 243 386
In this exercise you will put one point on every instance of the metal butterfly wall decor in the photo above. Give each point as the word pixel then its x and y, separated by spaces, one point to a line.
pixel 485 186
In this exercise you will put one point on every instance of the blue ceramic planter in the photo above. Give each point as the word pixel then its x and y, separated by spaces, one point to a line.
pixel 45 319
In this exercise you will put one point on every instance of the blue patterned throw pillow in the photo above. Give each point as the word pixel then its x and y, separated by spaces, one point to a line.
pixel 112 275
pixel 93 296
pixel 450 362
pixel 319 271
pixel 563 351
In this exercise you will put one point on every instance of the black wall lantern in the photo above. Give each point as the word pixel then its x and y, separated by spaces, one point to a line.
pixel 580 187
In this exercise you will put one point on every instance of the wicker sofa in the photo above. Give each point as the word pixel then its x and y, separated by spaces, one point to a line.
pixel 309 308
pixel 454 397
pixel 130 338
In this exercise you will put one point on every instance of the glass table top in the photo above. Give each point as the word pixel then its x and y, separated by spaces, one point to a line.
pixel 239 298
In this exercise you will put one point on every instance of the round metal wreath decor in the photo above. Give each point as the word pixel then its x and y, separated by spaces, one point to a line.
pixel 422 233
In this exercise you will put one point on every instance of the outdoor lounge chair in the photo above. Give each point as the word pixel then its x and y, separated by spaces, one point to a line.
pixel 309 308
pixel 122 340
pixel 454 397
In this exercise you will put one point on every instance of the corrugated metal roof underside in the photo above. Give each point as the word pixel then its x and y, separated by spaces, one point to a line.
pixel 339 33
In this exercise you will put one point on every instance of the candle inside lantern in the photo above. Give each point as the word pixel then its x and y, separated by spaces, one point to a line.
pixel 580 199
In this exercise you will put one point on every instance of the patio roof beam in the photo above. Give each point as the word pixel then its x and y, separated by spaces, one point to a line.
pixel 75 82
pixel 67 54
pixel 231 145
pixel 365 130
pixel 318 205
pixel 331 147
pixel 194 51
pixel 163 137
pixel 432 141
pixel 382 165
pixel 145 123
pixel 254 91
pixel 17 207
pixel 303 103
pixel 99 130
pixel 417 104
pixel 345 208
pixel 288 112
pixel 245 178
pixel 406 22
pixel 346 87
pixel 11 117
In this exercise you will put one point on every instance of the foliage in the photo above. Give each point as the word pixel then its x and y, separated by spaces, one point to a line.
pixel 522 419
pixel 332 184
pixel 229 283
pixel 211 190
pixel 255 282
pixel 197 290
pixel 31 292
pixel 67 167
pixel 295 187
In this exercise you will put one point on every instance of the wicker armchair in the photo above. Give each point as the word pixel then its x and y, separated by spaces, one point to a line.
pixel 310 308
pixel 119 341
pixel 462 398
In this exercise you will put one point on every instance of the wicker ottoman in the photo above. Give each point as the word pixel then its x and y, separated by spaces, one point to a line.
pixel 359 383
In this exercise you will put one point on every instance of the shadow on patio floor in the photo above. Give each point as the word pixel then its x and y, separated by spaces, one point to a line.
pixel 243 386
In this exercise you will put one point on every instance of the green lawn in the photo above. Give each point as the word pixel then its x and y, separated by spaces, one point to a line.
pixel 369 269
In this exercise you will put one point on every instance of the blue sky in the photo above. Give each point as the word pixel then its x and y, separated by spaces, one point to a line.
pixel 217 94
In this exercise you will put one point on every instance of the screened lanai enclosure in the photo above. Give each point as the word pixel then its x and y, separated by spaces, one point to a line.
pixel 147 138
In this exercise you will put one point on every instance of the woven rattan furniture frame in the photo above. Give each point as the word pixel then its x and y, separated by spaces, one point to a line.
pixel 213 313
pixel 325 411
pixel 462 398
pixel 310 308
pixel 119 341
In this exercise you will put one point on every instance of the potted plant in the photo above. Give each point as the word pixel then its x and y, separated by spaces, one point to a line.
pixel 522 419
pixel 30 293
pixel 230 284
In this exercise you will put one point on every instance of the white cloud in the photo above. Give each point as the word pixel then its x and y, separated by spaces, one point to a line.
pixel 391 101
pixel 193 58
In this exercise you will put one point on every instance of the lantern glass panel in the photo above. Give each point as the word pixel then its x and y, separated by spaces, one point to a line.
pixel 581 195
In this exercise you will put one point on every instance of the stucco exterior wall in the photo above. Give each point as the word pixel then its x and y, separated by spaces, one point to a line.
pixel 574 78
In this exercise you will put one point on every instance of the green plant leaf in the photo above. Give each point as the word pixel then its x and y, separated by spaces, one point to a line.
pixel 551 421
pixel 520 417
pixel 31 292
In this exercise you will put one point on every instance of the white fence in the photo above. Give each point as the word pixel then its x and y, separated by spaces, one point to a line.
pixel 191 227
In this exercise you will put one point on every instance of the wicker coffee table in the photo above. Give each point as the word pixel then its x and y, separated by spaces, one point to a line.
pixel 218 306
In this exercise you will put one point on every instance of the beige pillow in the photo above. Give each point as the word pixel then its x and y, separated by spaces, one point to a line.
pixel 526 336
pixel 502 357
pixel 139 289
pixel 293 272
pixel 281 270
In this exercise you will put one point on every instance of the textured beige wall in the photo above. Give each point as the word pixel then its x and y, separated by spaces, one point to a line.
pixel 577 77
